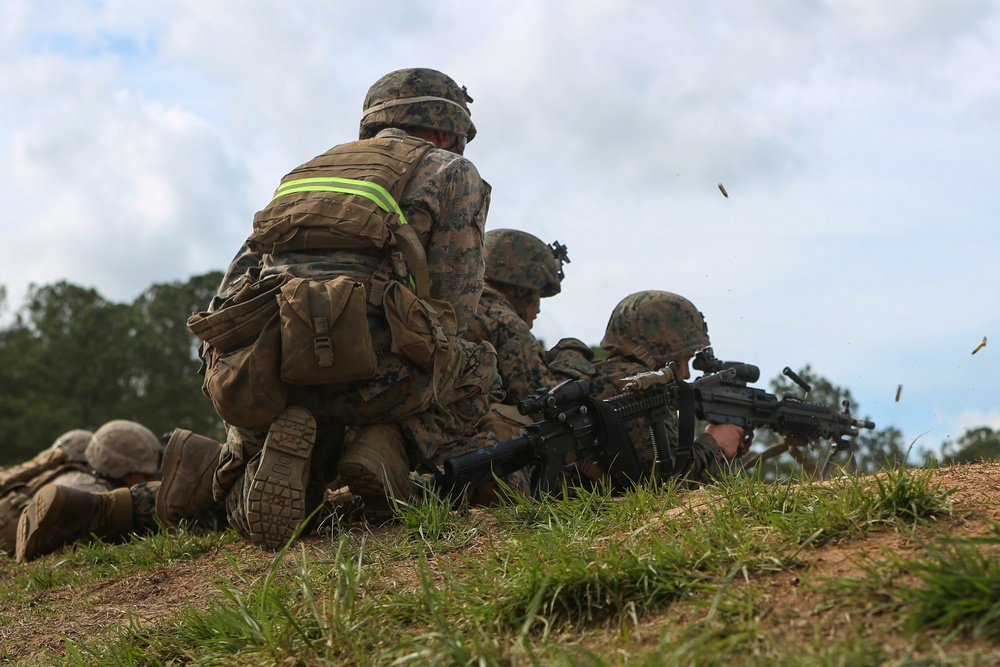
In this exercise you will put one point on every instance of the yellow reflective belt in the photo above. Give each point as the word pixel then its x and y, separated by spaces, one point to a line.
pixel 349 186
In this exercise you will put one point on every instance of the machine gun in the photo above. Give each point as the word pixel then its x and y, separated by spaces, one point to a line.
pixel 800 422
pixel 576 431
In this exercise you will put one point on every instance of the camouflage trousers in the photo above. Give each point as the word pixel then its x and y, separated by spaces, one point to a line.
pixel 433 409
pixel 143 506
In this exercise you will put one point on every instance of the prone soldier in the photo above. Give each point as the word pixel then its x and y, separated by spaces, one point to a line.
pixel 76 499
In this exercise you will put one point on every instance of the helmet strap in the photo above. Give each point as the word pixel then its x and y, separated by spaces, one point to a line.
pixel 630 349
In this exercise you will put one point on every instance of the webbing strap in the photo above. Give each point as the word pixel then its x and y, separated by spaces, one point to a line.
pixel 349 186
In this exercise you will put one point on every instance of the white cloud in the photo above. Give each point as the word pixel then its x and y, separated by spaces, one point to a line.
pixel 857 141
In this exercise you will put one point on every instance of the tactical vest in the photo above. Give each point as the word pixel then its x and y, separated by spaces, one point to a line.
pixel 347 199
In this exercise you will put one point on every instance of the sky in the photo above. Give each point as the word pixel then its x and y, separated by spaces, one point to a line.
pixel 858 141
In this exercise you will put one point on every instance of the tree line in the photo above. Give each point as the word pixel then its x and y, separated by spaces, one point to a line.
pixel 69 358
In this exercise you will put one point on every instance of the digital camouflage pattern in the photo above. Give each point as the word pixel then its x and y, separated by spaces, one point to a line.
pixel 417 97
pixel 524 366
pixel 446 202
pixel 647 330
pixel 655 327
pixel 501 423
pixel 518 258
pixel 143 505
pixel 708 459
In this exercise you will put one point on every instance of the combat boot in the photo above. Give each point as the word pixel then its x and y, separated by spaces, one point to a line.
pixel 11 507
pixel 276 496
pixel 58 515
pixel 376 468
pixel 189 464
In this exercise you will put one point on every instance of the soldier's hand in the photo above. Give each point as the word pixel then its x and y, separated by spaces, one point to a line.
pixel 729 437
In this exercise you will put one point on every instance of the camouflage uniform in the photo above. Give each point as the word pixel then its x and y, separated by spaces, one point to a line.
pixel 117 451
pixel 707 460
pixel 645 332
pixel 14 502
pixel 524 365
pixel 445 201
pixel 520 260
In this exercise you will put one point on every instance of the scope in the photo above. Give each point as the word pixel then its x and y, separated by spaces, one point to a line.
pixel 705 361
pixel 562 394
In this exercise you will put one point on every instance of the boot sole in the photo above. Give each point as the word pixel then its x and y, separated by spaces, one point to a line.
pixel 276 498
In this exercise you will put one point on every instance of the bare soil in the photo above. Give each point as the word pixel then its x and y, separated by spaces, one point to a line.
pixel 789 606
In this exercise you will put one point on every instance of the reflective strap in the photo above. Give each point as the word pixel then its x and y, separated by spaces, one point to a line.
pixel 349 186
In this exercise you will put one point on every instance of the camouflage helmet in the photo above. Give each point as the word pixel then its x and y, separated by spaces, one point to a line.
pixel 121 447
pixel 655 328
pixel 417 97
pixel 517 258
pixel 74 443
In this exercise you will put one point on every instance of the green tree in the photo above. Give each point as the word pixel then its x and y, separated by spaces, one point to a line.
pixel 164 381
pixel 976 444
pixel 70 359
pixel 65 363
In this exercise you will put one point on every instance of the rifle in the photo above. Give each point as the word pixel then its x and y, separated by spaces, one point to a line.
pixel 800 422
pixel 575 430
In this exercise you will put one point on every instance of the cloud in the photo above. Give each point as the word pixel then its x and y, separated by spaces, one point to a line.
pixel 857 141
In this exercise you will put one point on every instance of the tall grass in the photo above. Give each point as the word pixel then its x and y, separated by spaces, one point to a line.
pixel 570 579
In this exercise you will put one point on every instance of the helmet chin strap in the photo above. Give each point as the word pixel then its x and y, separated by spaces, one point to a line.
pixel 630 349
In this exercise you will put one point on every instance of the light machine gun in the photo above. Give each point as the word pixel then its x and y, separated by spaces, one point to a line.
pixel 576 431
pixel 799 422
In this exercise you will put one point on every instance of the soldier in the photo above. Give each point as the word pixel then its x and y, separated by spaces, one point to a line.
pixel 64 461
pixel 398 217
pixel 521 270
pixel 646 331
pixel 74 500
pixel 68 448
pixel 185 492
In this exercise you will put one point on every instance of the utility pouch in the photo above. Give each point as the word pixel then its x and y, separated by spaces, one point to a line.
pixel 324 332
pixel 421 329
pixel 242 355
pixel 241 318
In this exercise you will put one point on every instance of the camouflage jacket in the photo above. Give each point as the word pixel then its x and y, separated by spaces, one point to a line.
pixel 708 460
pixel 524 366
pixel 445 201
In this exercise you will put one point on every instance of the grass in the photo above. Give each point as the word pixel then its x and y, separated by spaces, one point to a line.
pixel 658 577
